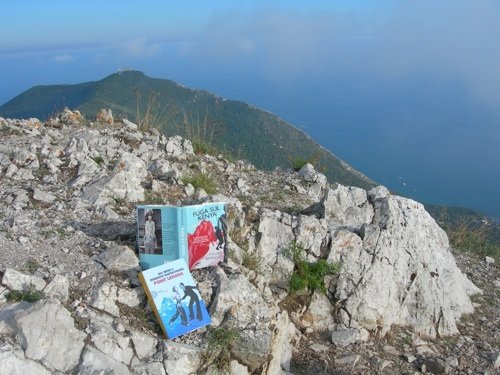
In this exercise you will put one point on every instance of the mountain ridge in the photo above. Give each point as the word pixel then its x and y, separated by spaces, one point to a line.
pixel 242 129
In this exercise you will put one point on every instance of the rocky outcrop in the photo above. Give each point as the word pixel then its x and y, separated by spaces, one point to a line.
pixel 67 234
pixel 400 272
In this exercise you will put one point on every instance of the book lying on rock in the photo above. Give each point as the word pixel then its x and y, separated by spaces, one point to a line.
pixel 174 298
pixel 197 234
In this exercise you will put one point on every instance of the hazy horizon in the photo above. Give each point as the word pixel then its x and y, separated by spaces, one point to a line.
pixel 407 93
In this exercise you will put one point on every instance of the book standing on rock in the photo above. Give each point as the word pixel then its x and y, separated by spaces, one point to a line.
pixel 197 234
pixel 174 298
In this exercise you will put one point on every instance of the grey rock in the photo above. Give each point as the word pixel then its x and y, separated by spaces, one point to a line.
pixel 124 183
pixel 436 366
pixel 58 288
pixel 403 273
pixel 8 324
pixel 348 360
pixel 311 234
pixel 144 345
pixel 105 116
pixel 236 368
pixel 119 258
pixel 15 363
pixel 179 147
pixel 43 196
pixel 163 169
pixel 275 237
pixel 130 125
pixel 181 359
pixel 282 345
pixel 346 207
pixel 319 348
pixel 15 280
pixel 320 313
pixel 96 362
pixel 87 169
pixel 112 343
pixel 495 359
pixel 70 117
pixel 150 368
pixel 317 182
pixel 108 294
pixel 409 358
pixel 489 260
pixel 49 335
pixel 239 304
pixel 347 337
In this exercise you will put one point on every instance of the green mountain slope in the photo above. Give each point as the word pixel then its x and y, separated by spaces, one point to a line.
pixel 231 126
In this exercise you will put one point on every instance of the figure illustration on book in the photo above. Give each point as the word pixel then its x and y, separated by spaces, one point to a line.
pixel 190 291
pixel 179 309
pixel 222 235
pixel 149 234
pixel 220 238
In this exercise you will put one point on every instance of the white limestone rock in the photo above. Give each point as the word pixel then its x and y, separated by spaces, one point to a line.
pixel 345 337
pixel 124 183
pixel 58 288
pixel 275 236
pixel 145 345
pixel 116 345
pixel 285 335
pixel 130 125
pixel 119 258
pixel 108 294
pixel 15 280
pixel 180 359
pixel 403 274
pixel 48 335
pixel 239 304
pixel 319 313
pixel 96 362
pixel 150 368
pixel 179 147
pixel 13 362
pixel 87 169
pixel 236 368
pixel 317 182
pixel 43 196
pixel 346 206
pixel 311 234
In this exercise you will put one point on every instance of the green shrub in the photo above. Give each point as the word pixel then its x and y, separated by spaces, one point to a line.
pixel 298 163
pixel 98 159
pixel 309 275
pixel 28 295
pixel 203 181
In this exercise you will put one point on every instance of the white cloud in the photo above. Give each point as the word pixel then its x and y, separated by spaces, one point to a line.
pixel 140 47
pixel 63 58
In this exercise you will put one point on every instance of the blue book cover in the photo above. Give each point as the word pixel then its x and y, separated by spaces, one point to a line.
pixel 174 298
pixel 196 233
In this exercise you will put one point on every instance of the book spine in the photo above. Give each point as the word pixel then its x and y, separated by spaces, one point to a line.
pixel 152 303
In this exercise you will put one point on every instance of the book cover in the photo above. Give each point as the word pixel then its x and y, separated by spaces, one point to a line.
pixel 174 298
pixel 196 233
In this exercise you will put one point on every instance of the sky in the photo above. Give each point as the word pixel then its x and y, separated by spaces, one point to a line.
pixel 405 91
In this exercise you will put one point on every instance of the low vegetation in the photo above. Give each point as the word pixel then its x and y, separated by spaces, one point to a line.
pixel 472 238
pixel 218 354
pixel 203 181
pixel 309 275
pixel 29 295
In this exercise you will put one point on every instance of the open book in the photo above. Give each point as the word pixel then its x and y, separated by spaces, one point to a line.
pixel 197 234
